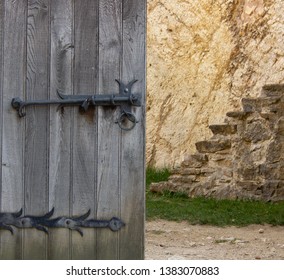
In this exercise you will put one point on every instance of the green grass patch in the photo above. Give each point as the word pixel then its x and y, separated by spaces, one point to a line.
pixel 178 207
pixel 153 175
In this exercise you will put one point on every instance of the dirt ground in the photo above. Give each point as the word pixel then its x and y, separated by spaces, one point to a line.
pixel 170 240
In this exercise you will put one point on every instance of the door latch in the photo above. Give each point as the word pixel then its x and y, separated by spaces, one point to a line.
pixel 125 99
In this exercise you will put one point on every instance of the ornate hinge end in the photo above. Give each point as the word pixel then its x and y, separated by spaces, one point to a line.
pixel 44 222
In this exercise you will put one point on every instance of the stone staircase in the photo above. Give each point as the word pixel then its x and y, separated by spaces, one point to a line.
pixel 244 159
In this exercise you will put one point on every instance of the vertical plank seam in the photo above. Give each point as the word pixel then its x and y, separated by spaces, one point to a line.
pixel 96 159
pixel 143 88
pixel 72 131
pixel 25 127
pixel 120 132
pixel 24 123
pixel 144 127
pixel 48 120
pixel 71 127
pixel 2 28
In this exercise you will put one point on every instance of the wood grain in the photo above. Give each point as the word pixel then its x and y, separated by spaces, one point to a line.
pixel 37 125
pixel 62 53
pixel 62 158
pixel 132 167
pixel 2 28
pixel 110 50
pixel 85 125
pixel 12 129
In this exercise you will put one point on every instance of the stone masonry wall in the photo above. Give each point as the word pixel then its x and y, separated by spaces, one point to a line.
pixel 244 159
pixel 203 57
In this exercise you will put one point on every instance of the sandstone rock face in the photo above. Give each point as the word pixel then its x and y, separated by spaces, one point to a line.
pixel 244 159
pixel 203 57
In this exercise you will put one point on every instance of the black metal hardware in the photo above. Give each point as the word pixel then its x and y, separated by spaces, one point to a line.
pixel 7 220
pixel 125 99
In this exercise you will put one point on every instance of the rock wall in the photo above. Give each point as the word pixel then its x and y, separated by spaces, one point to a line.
pixel 244 159
pixel 203 57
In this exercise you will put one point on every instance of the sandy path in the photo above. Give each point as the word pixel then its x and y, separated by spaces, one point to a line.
pixel 171 240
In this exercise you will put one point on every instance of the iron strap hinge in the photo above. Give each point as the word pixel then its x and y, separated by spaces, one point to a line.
pixel 125 99
pixel 7 220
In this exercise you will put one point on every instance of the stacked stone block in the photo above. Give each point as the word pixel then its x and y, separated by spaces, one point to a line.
pixel 244 159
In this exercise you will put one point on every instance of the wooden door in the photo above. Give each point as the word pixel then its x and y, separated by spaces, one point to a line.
pixel 58 157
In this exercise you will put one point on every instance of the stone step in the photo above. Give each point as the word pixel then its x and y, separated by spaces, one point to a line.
pixel 220 160
pixel 273 90
pixel 251 105
pixel 190 171
pixel 217 157
pixel 270 116
pixel 184 179
pixel 246 171
pixel 194 161
pixel 160 187
pixel 223 129
pixel 268 104
pixel 213 146
pixel 240 115
pixel 270 190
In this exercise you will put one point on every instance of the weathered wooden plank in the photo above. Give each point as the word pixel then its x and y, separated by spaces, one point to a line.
pixel 2 26
pixel 110 50
pixel 49 161
pixel 85 125
pixel 37 125
pixel 60 124
pixel 132 171
pixel 13 20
